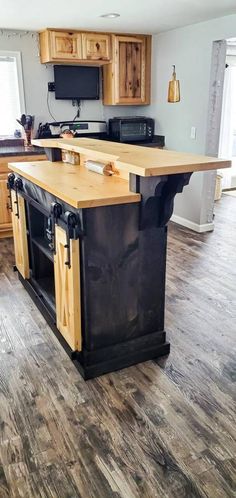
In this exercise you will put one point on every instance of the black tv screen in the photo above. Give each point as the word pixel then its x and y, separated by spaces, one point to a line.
pixel 76 82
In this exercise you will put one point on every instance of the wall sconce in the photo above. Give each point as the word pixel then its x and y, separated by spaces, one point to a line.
pixel 173 90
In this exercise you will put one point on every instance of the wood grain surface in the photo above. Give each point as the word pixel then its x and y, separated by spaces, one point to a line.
pixel 76 185
pixel 142 161
pixel 161 429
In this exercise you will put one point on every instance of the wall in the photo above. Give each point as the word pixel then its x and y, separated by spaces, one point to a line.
pixel 36 77
pixel 190 50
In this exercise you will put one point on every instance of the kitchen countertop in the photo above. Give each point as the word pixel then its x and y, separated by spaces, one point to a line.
pixel 20 150
pixel 142 161
pixel 81 188
pixel 76 185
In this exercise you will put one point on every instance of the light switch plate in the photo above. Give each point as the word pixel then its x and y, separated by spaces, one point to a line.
pixel 193 132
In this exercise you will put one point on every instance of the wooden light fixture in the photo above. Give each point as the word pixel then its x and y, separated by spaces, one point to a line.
pixel 174 91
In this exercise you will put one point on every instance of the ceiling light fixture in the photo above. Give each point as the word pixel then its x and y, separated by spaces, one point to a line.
pixel 112 15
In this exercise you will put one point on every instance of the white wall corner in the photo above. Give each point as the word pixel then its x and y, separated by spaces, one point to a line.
pixel 206 227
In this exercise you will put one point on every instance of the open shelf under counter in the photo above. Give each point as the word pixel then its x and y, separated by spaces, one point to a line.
pixel 43 245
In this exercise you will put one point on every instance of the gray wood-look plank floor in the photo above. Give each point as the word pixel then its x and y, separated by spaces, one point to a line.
pixel 158 429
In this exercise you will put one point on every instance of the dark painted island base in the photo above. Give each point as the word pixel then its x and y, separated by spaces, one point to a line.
pixel 122 270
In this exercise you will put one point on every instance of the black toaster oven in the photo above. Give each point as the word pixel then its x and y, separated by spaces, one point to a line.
pixel 131 129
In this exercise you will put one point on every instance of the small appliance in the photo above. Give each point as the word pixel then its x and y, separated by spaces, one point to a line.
pixel 89 129
pixel 131 129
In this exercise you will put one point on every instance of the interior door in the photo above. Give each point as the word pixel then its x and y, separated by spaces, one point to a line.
pixel 67 289
pixel 20 234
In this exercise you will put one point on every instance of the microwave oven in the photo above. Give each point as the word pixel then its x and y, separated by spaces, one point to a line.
pixel 131 129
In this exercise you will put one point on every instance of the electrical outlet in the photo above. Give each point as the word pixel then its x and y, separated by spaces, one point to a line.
pixel 51 86
pixel 193 132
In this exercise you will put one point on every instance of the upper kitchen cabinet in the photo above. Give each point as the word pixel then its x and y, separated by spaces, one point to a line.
pixel 96 46
pixel 74 46
pixel 60 46
pixel 126 81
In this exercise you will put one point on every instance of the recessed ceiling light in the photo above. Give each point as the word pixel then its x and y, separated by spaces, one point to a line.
pixel 111 15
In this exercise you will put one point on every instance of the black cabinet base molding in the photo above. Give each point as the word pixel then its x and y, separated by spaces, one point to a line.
pixel 108 359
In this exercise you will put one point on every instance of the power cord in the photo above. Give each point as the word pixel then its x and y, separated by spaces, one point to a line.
pixel 78 103
pixel 48 106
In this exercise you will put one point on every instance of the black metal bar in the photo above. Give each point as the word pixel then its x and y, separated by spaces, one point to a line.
pixel 10 183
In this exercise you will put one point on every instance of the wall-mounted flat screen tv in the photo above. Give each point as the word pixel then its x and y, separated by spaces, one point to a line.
pixel 76 82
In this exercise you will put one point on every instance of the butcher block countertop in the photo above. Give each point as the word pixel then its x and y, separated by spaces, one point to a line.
pixel 76 185
pixel 141 161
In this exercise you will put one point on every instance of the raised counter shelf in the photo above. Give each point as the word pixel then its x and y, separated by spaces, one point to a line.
pixel 141 161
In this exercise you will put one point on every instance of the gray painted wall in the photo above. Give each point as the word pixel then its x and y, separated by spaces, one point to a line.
pixel 190 49
pixel 36 77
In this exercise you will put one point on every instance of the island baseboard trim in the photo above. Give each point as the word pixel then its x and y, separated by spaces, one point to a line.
pixel 95 363
pixel 206 227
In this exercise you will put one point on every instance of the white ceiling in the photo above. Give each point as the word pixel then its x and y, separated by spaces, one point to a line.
pixel 144 16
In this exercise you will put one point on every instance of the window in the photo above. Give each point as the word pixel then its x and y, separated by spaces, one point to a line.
pixel 11 92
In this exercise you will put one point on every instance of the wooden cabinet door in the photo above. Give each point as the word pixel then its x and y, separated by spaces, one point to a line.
pixel 127 80
pixel 65 45
pixel 67 290
pixel 130 70
pixel 95 46
pixel 20 234
pixel 5 214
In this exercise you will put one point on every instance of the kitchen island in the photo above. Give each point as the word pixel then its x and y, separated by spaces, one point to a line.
pixel 91 249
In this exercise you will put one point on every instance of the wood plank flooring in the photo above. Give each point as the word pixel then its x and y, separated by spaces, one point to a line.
pixel 159 429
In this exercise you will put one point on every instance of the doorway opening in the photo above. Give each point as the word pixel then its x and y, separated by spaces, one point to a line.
pixel 227 138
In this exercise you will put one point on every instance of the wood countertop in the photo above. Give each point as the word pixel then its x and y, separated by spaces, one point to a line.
pixel 141 161
pixel 76 185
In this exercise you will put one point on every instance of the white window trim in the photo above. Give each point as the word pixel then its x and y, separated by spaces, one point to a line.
pixel 17 56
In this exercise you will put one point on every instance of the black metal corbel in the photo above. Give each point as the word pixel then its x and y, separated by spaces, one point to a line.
pixel 157 197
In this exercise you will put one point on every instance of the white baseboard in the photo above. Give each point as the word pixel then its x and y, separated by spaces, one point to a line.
pixel 207 227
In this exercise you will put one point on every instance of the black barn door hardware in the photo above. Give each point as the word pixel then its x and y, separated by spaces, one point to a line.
pixel 18 184
pixel 71 233
pixel 56 211
pixel 10 184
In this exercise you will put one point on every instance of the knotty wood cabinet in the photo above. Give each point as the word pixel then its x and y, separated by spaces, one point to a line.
pixel 74 46
pixel 96 46
pixel 65 45
pixel 126 61
pixel 20 234
pixel 126 81
pixel 56 46
pixel 5 214
pixel 67 289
